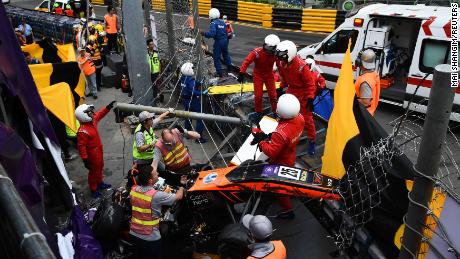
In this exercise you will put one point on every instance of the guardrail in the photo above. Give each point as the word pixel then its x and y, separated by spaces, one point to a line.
pixel 318 20
pixel 251 12
pixel 321 20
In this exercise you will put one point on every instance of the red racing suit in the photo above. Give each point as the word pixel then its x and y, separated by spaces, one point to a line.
pixel 297 77
pixel 262 74
pixel 319 80
pixel 90 148
pixel 281 149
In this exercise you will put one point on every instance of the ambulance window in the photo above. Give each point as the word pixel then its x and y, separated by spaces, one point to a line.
pixel 434 52
pixel 338 43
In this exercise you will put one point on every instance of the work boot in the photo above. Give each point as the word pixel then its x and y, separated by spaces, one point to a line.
pixel 311 148
pixel 94 96
pixel 286 214
pixel 96 194
pixel 103 186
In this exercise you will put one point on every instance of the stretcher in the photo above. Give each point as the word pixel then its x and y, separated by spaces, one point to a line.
pixel 235 88
pixel 249 152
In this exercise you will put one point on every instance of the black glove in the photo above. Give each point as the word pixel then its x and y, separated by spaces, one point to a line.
pixel 280 91
pixel 241 78
pixel 310 105
pixel 202 33
pixel 87 164
pixel 258 137
pixel 180 129
pixel 110 105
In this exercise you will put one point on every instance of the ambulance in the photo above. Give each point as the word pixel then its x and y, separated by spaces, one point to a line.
pixel 409 41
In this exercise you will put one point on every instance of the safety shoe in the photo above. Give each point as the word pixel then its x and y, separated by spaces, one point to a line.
pixel 201 140
pixel 96 194
pixel 311 148
pixel 94 96
pixel 286 215
pixel 103 186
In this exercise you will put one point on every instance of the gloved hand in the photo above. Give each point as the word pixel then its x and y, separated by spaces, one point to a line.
pixel 110 105
pixel 205 91
pixel 180 129
pixel 171 110
pixel 258 137
pixel 280 91
pixel 310 104
pixel 87 164
pixel 202 33
pixel 241 78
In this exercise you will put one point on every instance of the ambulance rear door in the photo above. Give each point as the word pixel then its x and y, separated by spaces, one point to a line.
pixel 329 55
pixel 432 48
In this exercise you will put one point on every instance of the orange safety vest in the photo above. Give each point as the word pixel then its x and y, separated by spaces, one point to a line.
pixel 278 253
pixel 178 157
pixel 142 219
pixel 372 79
pixel 229 30
pixel 88 67
pixel 111 23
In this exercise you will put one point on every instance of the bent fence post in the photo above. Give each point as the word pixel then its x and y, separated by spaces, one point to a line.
pixel 178 113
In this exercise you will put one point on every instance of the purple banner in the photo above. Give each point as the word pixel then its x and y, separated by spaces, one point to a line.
pixel 17 160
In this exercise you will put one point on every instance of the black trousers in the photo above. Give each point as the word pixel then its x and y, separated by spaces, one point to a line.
pixel 112 44
pixel 145 249
pixel 153 78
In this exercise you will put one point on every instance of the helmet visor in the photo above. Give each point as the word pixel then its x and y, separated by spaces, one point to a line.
pixel 269 49
pixel 282 55
pixel 89 110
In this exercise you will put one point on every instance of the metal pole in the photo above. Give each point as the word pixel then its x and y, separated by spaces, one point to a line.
pixel 136 52
pixel 433 138
pixel 147 24
pixel 178 113
pixel 198 49
pixel 31 242
pixel 171 34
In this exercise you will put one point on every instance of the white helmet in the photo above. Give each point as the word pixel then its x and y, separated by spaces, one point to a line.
pixel 368 59
pixel 311 62
pixel 286 50
pixel 288 106
pixel 187 69
pixel 214 13
pixel 82 113
pixel 270 43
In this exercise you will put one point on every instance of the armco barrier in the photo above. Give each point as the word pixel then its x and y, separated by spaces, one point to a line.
pixel 298 19
pixel 319 20
pixel 251 12
pixel 287 18
pixel 98 2
pixel 226 7
pixel 158 5
pixel 340 18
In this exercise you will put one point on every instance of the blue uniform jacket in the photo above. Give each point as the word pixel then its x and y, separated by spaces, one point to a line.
pixel 217 30
pixel 189 87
